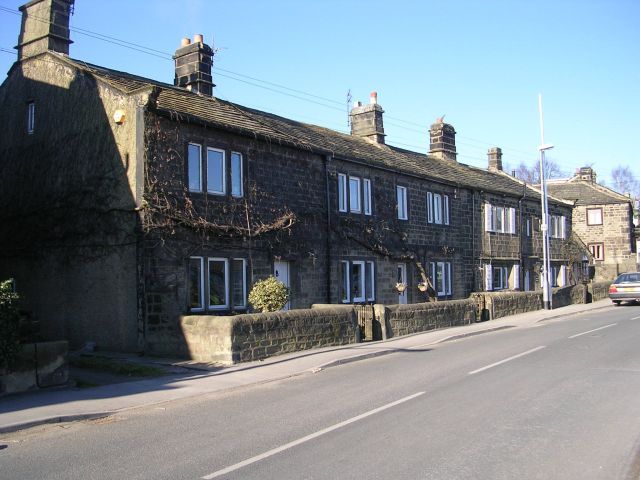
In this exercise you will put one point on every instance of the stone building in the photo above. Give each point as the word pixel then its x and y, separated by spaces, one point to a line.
pixel 129 203
pixel 603 220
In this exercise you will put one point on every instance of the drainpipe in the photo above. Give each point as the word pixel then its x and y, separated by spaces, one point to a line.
pixel 473 239
pixel 327 159
pixel 520 242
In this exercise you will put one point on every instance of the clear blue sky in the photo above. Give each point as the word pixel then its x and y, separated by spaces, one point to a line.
pixel 480 63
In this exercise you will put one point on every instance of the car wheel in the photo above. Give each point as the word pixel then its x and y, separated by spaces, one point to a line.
pixel 617 302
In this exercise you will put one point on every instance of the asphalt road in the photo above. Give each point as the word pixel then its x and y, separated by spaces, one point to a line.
pixel 557 401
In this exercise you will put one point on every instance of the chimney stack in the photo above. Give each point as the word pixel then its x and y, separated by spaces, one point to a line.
pixel 442 140
pixel 366 120
pixel 44 27
pixel 193 66
pixel 495 159
pixel 587 174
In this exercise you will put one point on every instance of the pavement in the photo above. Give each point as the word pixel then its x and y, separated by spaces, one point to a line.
pixel 187 379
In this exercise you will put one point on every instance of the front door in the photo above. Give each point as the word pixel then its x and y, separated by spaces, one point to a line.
pixel 281 272
pixel 402 278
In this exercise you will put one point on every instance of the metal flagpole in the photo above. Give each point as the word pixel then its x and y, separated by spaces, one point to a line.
pixel 547 298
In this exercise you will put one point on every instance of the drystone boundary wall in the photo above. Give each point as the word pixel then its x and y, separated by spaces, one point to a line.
pixel 38 365
pixel 421 317
pixel 600 290
pixel 243 338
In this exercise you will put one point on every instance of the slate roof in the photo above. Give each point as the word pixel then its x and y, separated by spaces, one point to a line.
pixel 584 192
pixel 190 107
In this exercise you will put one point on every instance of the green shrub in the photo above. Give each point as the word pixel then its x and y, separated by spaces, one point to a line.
pixel 269 295
pixel 9 324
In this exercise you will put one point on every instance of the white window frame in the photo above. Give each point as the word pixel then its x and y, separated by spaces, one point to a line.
pixel 437 208
pixel 598 220
pixel 237 174
pixel 244 284
pixel 499 219
pixel 557 226
pixel 401 203
pixel 445 204
pixel 222 171
pixel 371 292
pixel 346 281
pixel 362 295
pixel 553 275
pixel 443 287
pixel 191 168
pixel 366 194
pixel 342 192
pixel 515 276
pixel 597 250
pixel 355 195
pixel 200 286
pixel 367 267
pixel 31 118
pixel 501 273
pixel 227 285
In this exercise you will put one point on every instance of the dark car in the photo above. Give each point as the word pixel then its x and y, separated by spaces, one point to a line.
pixel 625 288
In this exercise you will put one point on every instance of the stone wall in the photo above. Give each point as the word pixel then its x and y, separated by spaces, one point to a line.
pixel 421 317
pixel 38 365
pixel 249 337
pixel 599 290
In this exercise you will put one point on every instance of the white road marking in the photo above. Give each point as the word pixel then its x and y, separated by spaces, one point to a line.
pixel 594 330
pixel 506 360
pixel 635 318
pixel 312 436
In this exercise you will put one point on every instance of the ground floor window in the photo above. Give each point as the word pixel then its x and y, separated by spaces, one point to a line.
pixel 217 283
pixel 503 277
pixel 597 250
pixel 358 281
pixel 441 277
pixel 558 275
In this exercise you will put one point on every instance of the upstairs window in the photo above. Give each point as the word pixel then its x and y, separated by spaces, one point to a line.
pixel 31 117
pixel 194 168
pixel 437 208
pixel 215 171
pixel 594 216
pixel 209 174
pixel 354 194
pixel 557 226
pixel 366 196
pixel 401 196
pixel 236 175
pixel 499 219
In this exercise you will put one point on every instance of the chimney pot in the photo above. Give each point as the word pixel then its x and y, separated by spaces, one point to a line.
pixel 373 98
pixel 193 63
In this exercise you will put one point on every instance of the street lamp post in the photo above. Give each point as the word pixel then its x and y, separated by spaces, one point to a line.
pixel 547 298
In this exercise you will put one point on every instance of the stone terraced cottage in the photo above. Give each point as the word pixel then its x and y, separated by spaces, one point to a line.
pixel 127 203
pixel 603 220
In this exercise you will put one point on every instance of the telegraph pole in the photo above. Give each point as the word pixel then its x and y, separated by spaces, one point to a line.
pixel 547 298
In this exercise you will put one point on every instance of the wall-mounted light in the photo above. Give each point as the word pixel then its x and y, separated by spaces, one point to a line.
pixel 119 116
